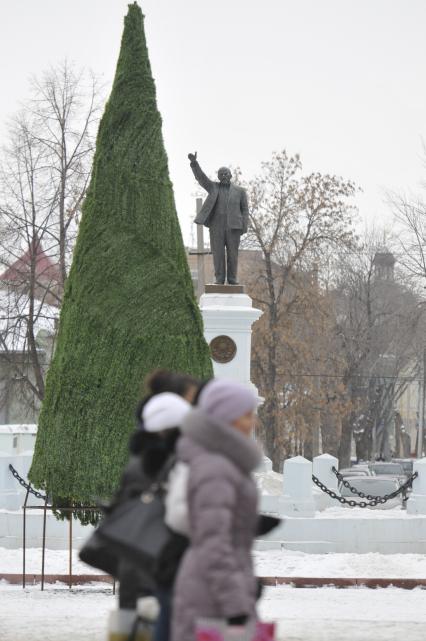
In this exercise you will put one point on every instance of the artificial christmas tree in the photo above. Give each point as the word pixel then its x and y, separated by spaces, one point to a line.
pixel 129 304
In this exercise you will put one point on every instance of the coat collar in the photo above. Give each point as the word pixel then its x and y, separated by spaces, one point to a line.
pixel 218 437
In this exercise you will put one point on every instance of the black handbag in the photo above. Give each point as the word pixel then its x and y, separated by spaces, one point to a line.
pixel 266 524
pixel 135 528
pixel 97 553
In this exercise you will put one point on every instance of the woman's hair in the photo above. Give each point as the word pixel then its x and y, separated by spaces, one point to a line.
pixel 159 381
pixel 163 380
pixel 201 385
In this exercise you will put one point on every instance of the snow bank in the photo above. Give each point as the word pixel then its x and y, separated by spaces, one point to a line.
pixel 56 562
pixel 267 563
pixel 18 428
pixel 370 565
pixel 269 483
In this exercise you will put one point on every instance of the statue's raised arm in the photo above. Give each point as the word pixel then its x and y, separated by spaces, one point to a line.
pixel 199 174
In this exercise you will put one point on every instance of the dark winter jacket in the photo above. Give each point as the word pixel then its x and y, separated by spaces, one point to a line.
pixel 216 575
pixel 137 477
pixel 142 469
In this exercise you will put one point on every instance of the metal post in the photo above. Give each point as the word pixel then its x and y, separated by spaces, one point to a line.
pixel 422 419
pixel 43 550
pixel 24 539
pixel 200 254
pixel 70 552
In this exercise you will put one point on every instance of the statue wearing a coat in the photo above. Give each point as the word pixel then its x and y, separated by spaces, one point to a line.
pixel 225 213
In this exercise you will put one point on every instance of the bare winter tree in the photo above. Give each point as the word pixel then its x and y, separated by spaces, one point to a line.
pixel 379 323
pixel 294 220
pixel 44 173
pixel 410 216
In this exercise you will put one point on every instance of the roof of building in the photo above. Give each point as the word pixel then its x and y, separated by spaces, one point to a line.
pixel 46 269
pixel 384 258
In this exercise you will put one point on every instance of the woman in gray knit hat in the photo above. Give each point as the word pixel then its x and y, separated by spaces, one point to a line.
pixel 216 577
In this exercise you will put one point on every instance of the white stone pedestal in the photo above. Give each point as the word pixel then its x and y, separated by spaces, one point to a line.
pixel 416 504
pixel 322 468
pixel 231 315
pixel 297 499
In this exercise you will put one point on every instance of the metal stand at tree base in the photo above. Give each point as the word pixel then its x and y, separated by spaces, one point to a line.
pixel 45 507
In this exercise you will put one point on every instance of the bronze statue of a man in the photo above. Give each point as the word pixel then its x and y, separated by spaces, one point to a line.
pixel 225 213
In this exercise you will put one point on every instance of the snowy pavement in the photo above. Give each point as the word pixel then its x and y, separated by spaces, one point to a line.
pixel 353 614
pixel 303 614
pixel 268 563
pixel 57 614
pixel 346 615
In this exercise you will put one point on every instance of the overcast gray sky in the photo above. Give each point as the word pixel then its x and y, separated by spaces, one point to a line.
pixel 342 82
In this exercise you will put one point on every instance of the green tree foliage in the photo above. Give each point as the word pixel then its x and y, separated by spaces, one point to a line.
pixel 129 304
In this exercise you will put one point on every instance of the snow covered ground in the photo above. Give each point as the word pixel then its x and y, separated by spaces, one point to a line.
pixel 339 512
pixel 56 614
pixel 268 563
pixel 354 614
pixel 359 614
pixel 303 614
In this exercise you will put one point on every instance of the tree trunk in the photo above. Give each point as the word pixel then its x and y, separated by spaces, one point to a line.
pixel 331 428
pixel 269 418
pixel 308 449
pixel 346 441
pixel 364 445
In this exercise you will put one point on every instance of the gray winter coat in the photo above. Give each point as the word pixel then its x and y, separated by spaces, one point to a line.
pixel 216 575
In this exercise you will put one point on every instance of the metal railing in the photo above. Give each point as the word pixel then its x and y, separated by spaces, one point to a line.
pixel 46 507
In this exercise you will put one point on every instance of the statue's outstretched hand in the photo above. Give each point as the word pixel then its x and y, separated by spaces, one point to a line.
pixel 193 157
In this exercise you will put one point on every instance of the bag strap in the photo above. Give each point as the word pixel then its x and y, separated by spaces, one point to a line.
pixel 161 478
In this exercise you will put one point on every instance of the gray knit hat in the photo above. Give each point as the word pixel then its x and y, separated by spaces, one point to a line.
pixel 226 400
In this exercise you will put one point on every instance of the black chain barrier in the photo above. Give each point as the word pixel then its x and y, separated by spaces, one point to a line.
pixel 25 484
pixel 372 500
pixel 353 489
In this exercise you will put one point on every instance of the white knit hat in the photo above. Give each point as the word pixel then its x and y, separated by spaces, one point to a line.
pixel 164 411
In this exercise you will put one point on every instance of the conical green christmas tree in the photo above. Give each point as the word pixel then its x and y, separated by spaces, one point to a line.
pixel 129 305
